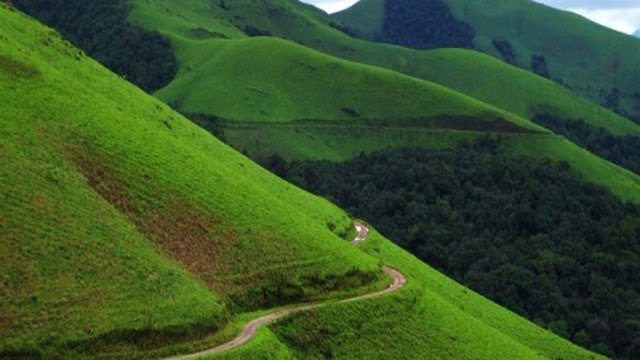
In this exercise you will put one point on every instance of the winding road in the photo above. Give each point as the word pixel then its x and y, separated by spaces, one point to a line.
pixel 250 330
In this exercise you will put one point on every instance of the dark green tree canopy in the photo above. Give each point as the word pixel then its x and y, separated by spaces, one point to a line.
pixel 424 24
pixel 530 235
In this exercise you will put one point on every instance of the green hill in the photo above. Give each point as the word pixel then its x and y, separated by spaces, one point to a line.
pixel 119 216
pixel 191 23
pixel 126 227
pixel 527 34
pixel 262 112
pixel 269 80
pixel 283 98
pixel 195 25
pixel 272 96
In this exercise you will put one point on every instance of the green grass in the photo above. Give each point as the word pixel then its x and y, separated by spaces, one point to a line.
pixel 562 37
pixel 264 346
pixel 118 216
pixel 517 90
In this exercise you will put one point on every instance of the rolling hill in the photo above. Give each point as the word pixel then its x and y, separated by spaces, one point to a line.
pixel 527 34
pixel 197 28
pixel 244 81
pixel 522 93
pixel 129 232
pixel 302 104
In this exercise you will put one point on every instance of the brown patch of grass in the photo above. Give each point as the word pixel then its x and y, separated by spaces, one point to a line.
pixel 180 229
pixel 17 69
pixel 7 321
pixel 103 180
pixel 192 237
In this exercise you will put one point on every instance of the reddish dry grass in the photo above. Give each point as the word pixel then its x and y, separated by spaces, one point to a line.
pixel 104 181
pixel 182 230
pixel 192 238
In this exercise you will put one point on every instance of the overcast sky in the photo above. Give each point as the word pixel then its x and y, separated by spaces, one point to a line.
pixel 622 15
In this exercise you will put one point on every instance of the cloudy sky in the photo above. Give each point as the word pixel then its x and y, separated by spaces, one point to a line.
pixel 622 15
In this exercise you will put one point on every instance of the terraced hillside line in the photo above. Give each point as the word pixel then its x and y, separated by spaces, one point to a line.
pixel 250 330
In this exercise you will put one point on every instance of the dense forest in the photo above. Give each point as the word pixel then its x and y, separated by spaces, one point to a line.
pixel 100 28
pixel 530 235
pixel 424 24
pixel 621 150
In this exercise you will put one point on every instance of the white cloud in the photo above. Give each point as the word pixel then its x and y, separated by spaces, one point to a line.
pixel 331 6
pixel 623 20
pixel 621 15
pixel 592 4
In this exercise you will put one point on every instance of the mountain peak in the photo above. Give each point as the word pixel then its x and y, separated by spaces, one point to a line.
pixel 637 33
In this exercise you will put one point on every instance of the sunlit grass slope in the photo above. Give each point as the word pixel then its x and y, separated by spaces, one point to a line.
pixel 192 23
pixel 269 80
pixel 118 216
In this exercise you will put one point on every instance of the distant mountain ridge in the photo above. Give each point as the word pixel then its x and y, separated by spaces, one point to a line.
pixel 637 33
pixel 527 45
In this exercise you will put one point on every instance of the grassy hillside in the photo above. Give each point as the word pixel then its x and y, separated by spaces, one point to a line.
pixel 518 30
pixel 191 24
pixel 273 96
pixel 269 80
pixel 121 217
pixel 125 226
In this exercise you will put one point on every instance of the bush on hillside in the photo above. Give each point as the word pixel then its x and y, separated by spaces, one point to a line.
pixel 506 50
pixel 539 66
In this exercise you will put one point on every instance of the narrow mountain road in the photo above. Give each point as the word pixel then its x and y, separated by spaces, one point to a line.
pixel 363 232
pixel 250 330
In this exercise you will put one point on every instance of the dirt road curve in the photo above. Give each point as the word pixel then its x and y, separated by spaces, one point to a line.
pixel 252 327
pixel 363 232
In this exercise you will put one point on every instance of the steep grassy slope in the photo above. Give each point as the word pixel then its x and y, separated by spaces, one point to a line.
pixel 191 23
pixel 518 30
pixel 120 218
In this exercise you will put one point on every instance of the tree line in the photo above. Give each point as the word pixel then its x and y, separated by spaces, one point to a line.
pixel 621 150
pixel 101 29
